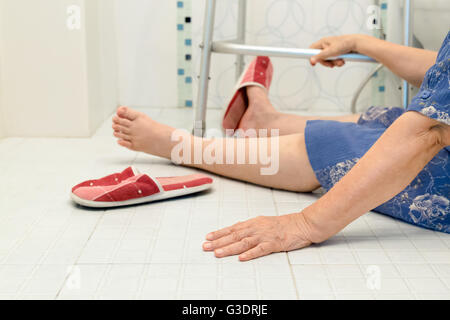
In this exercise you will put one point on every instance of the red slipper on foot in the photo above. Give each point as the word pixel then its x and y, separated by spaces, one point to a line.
pixel 109 180
pixel 139 189
pixel 258 73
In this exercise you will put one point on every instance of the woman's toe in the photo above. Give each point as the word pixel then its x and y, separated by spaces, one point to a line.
pixel 122 122
pixel 120 128
pixel 125 123
pixel 116 119
pixel 124 143
pixel 127 113
pixel 121 135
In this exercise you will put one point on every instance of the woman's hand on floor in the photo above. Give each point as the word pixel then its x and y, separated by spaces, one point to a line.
pixel 260 236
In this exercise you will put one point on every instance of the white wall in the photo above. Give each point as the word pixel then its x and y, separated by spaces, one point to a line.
pixel 52 78
pixel 56 82
pixel 431 25
pixel 431 22
pixel 147 37
pixel 101 60
pixel 2 128
pixel 147 52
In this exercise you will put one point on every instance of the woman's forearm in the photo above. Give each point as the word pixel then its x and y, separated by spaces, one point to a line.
pixel 386 169
pixel 408 63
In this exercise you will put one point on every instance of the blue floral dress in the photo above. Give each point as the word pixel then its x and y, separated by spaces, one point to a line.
pixel 335 147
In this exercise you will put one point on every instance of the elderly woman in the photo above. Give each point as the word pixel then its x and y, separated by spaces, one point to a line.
pixel 390 160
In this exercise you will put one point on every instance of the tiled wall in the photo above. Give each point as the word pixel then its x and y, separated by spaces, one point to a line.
pixel 290 24
pixel 185 69
pixel 149 65
pixel 148 51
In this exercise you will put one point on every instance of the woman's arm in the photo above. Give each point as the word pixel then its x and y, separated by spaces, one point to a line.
pixel 408 63
pixel 384 171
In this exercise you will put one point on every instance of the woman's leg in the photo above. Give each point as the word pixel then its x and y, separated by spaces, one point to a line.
pixel 261 114
pixel 288 154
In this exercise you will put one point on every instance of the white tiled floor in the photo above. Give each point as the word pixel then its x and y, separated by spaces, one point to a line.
pixel 52 249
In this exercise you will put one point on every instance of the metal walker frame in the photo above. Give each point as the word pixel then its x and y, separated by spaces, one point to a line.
pixel 239 48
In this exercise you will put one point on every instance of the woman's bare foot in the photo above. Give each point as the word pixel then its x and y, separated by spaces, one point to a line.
pixel 260 113
pixel 137 131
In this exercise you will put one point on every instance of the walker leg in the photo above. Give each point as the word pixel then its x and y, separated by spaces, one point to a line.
pixel 202 98
pixel 241 25
pixel 407 39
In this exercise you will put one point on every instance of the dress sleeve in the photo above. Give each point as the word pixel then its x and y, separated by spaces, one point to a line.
pixel 433 99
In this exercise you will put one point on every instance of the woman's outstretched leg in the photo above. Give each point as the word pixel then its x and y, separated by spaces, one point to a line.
pixel 289 163
pixel 261 114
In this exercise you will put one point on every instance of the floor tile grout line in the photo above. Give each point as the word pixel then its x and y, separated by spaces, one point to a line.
pixel 219 267
pixel 154 241
pixel 257 273
pixel 392 262
pixel 255 268
pixel 94 229
pixel 395 265
pixel 180 281
pixel 80 253
pixel 18 243
pixel 29 230
pixel 102 281
pixel 45 255
pixel 357 258
pixel 293 278
pixel 446 284
pixel 149 254
pixel 119 242
pixel 333 291
pixel 16 145
pixel 76 263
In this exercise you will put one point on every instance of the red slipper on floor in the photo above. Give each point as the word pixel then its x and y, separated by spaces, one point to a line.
pixel 139 189
pixel 258 73
pixel 109 180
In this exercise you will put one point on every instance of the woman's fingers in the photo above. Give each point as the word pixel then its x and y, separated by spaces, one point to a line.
pixel 333 47
pixel 225 231
pixel 218 234
pixel 328 63
pixel 321 44
pixel 328 52
pixel 262 249
pixel 339 62
pixel 330 48
pixel 230 238
pixel 259 237
pixel 237 248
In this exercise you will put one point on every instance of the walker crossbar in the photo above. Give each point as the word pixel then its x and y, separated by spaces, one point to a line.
pixel 240 48
pixel 251 50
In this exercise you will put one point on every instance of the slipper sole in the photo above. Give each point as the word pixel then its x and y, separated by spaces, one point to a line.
pixel 154 197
